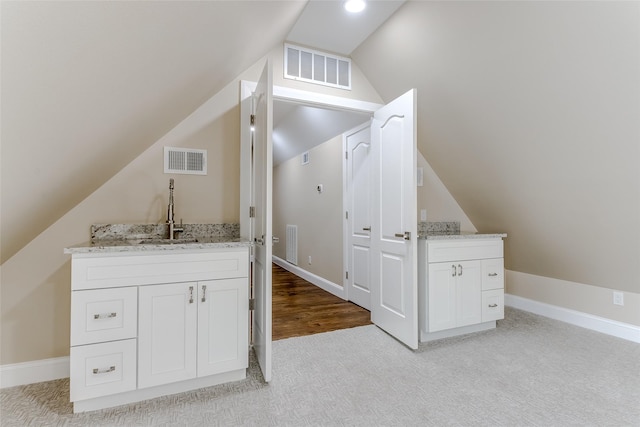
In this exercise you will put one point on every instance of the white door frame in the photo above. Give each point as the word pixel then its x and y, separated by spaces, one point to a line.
pixel 301 97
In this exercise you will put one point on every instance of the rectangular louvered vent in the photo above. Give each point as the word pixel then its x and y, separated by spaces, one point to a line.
pixel 292 244
pixel 313 66
pixel 185 161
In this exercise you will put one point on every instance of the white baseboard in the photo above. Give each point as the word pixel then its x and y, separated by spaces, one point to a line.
pixel 34 372
pixel 600 324
pixel 320 282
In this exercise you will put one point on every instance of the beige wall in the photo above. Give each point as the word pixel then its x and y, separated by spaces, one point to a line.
pixel 319 217
pixel 35 281
pixel 87 86
pixel 582 298
pixel 436 199
pixel 35 294
pixel 528 112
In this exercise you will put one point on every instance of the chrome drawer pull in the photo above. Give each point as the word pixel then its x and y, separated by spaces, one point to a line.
pixel 204 293
pixel 493 274
pixel 97 371
pixel 104 316
pixel 453 270
pixel 368 229
pixel 190 294
pixel 493 305
pixel 459 270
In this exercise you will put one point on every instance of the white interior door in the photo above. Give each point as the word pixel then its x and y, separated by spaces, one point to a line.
pixel 358 188
pixel 262 199
pixel 394 284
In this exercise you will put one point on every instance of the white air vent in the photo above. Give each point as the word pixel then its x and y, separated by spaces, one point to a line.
pixel 185 161
pixel 292 244
pixel 318 67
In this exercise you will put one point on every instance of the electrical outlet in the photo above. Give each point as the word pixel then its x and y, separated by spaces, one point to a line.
pixel 618 298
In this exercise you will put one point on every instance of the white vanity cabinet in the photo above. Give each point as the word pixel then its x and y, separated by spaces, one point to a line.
pixel 146 324
pixel 454 294
pixel 192 329
pixel 461 286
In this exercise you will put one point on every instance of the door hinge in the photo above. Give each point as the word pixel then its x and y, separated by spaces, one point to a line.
pixel 346 215
pixel 252 303
pixel 346 155
pixel 252 211
pixel 346 275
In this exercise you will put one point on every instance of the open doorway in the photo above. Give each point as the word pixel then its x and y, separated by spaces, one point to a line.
pixel 308 216
pixel 393 257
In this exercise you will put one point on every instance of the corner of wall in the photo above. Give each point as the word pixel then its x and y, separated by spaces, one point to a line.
pixel 434 197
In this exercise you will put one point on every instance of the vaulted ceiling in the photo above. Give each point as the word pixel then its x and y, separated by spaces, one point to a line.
pixel 88 86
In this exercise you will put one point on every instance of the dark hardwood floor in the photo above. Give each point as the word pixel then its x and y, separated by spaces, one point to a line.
pixel 300 308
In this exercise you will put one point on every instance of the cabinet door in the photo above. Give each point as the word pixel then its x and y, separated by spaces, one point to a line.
pixel 442 296
pixel 223 326
pixel 167 333
pixel 469 293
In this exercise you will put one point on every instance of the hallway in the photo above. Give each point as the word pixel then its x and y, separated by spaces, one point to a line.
pixel 301 308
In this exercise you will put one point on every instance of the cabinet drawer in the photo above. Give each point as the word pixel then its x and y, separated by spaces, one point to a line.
pixel 492 274
pixel 93 272
pixel 103 315
pixel 492 305
pixel 457 250
pixel 102 369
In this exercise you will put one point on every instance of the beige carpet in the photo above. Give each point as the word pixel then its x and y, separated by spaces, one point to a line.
pixel 530 371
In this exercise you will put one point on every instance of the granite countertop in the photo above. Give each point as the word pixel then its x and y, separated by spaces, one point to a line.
pixel 450 230
pixel 138 245
pixel 113 238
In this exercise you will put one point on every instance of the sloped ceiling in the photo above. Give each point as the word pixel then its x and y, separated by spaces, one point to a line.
pixel 99 82
pixel 529 113
pixel 298 128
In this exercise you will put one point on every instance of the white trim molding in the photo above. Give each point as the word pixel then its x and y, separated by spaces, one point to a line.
pixel 600 324
pixel 312 98
pixel 35 371
pixel 320 282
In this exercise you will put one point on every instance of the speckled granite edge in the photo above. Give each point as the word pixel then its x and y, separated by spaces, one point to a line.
pixel 101 232
pixel 121 246
pixel 107 238
pixel 462 236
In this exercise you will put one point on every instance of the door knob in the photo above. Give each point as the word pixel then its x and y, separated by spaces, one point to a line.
pixel 406 235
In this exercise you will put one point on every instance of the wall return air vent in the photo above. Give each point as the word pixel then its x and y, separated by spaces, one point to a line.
pixel 318 67
pixel 185 161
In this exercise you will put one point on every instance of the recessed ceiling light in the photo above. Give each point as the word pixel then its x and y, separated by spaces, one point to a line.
pixel 355 6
